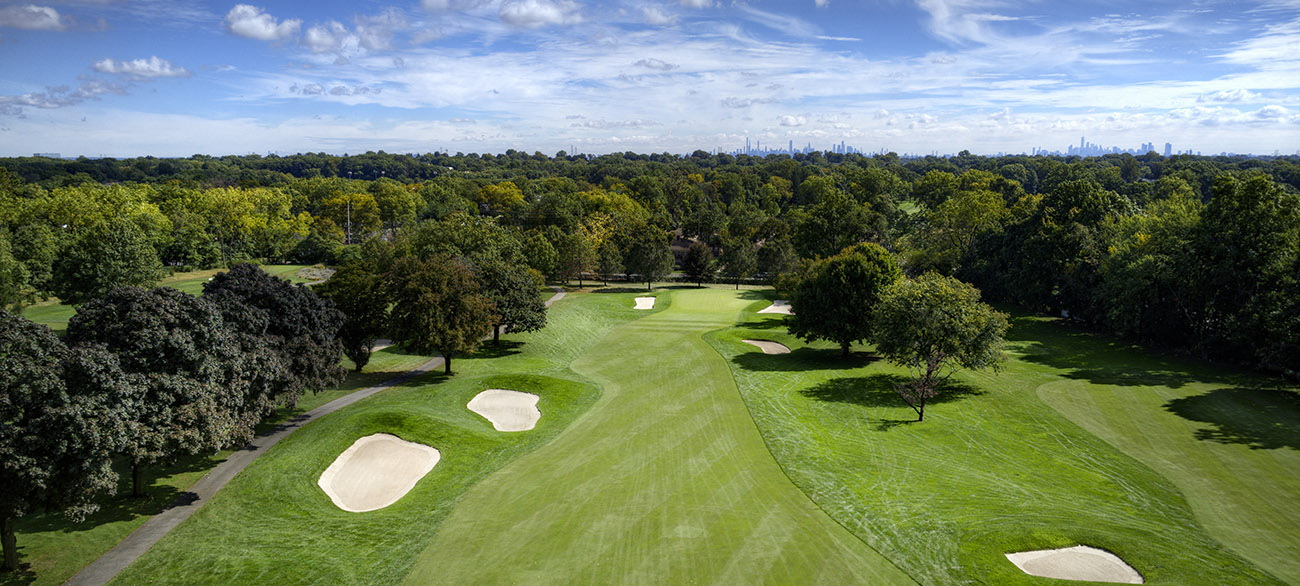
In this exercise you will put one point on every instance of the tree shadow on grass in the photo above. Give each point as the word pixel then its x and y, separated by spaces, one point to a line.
pixel 501 350
pixel 1263 419
pixel 879 390
pixel 802 359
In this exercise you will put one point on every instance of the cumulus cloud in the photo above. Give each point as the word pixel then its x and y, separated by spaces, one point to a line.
pixel 252 22
pixel 59 96
pixel 326 37
pixel 539 13
pixel 734 102
pixel 793 121
pixel 1237 95
pixel 656 16
pixel 152 67
pixel 656 64
pixel 31 17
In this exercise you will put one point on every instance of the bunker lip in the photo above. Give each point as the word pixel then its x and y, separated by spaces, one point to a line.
pixel 769 347
pixel 1080 562
pixel 645 303
pixel 375 471
pixel 781 306
pixel 506 410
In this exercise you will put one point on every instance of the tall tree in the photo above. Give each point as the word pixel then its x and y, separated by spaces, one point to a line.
pixel 834 300
pixel 610 261
pixel 739 260
pixel 576 254
pixel 189 377
pixel 648 254
pixel 14 282
pixel 54 436
pixel 358 291
pixel 698 265
pixel 103 256
pixel 438 307
pixel 513 290
pixel 270 312
pixel 934 325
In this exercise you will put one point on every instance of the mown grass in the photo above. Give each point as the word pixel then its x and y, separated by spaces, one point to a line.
pixel 1078 440
pixel 273 524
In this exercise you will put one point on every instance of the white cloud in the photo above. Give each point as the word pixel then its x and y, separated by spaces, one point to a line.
pixel 141 68
pixel 252 22
pixel 793 121
pixel 326 37
pixel 655 15
pixel 697 3
pixel 821 3
pixel 1235 95
pixel 59 96
pixel 538 13
pixel 656 64
pixel 31 17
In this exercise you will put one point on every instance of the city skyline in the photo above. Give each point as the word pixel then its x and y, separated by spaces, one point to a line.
pixel 175 78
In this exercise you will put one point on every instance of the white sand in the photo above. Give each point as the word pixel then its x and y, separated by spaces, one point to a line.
pixel 380 344
pixel 769 347
pixel 375 471
pixel 645 303
pixel 778 306
pixel 507 410
pixel 1076 563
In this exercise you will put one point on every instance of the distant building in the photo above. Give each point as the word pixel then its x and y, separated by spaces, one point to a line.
pixel 48 155
pixel 1169 149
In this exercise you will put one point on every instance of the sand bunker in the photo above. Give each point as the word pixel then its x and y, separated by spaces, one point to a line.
pixel 375 471
pixel 507 410
pixel 1076 563
pixel 645 303
pixel 769 347
pixel 778 306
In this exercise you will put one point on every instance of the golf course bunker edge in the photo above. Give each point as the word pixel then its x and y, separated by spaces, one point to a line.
pixel 781 306
pixel 1076 563
pixel 506 410
pixel 768 346
pixel 645 303
pixel 375 471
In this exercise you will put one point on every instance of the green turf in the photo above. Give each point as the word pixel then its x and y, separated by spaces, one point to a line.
pixel 273 524
pixel 995 469
pixel 664 481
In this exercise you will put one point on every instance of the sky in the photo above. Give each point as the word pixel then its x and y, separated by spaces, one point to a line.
pixel 180 77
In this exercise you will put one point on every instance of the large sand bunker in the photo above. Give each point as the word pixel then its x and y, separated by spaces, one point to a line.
pixel 645 303
pixel 778 306
pixel 769 347
pixel 1076 563
pixel 375 471
pixel 507 410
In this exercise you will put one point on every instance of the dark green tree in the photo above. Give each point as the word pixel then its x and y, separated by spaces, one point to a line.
pixel 775 258
pixel 103 256
pixel 648 255
pixel 14 282
pixel 739 260
pixel 934 325
pixel 698 265
pixel 438 307
pixel 610 261
pixel 358 291
pixel 834 300
pixel 513 290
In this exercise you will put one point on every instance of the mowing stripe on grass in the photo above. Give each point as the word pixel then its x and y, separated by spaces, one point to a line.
pixel 664 481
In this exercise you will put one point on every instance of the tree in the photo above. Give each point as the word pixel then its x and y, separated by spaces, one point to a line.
pixel 104 256
pixel 358 291
pixel 698 265
pixel 934 325
pixel 834 300
pixel 834 222
pixel 53 435
pixel 13 278
pixel 438 307
pixel 513 289
pixel 610 261
pixel 739 260
pixel 294 322
pixel 776 257
pixel 575 255
pixel 648 254
pixel 189 378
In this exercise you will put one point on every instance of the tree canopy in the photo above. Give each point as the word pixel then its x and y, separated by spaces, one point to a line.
pixel 438 307
pixel 834 298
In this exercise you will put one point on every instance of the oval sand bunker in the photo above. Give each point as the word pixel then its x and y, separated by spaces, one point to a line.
pixel 769 347
pixel 778 306
pixel 375 471
pixel 645 303
pixel 507 410
pixel 1076 563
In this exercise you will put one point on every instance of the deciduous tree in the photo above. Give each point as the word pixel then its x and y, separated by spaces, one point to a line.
pixel 358 291
pixel 438 307
pixel 834 300
pixel 698 265
pixel 111 254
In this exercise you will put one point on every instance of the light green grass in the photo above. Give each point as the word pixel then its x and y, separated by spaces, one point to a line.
pixel 54 548
pixel 273 524
pixel 995 469
pixel 664 481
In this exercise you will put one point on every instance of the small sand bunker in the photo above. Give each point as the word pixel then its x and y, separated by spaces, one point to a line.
pixel 645 303
pixel 1076 563
pixel 375 471
pixel 778 306
pixel 769 347
pixel 507 410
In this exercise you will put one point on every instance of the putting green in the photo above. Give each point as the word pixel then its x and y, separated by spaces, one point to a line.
pixel 665 480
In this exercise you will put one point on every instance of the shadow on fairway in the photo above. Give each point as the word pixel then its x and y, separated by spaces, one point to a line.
pixel 1264 419
pixel 802 359
pixel 499 350
pixel 878 390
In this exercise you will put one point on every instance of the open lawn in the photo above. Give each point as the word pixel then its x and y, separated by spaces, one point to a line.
pixel 1078 440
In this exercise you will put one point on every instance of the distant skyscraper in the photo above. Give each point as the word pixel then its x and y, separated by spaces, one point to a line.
pixel 1169 149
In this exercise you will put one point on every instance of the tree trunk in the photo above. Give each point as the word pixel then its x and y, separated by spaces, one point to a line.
pixel 647 285
pixel 446 363
pixel 496 334
pixel 358 366
pixel 137 480
pixel 920 413
pixel 10 542
pixel 737 283
pixel 844 349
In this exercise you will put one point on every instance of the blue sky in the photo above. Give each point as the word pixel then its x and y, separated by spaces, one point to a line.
pixel 175 78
